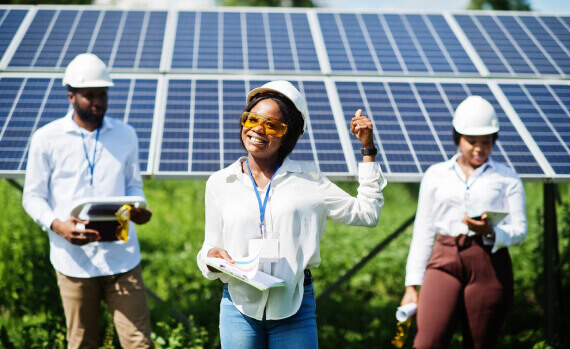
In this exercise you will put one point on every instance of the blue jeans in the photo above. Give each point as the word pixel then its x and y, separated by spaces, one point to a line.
pixel 297 331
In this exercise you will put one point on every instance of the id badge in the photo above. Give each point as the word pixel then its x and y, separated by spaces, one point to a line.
pixel 269 249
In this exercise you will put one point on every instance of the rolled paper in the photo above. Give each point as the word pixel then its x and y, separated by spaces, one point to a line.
pixel 406 311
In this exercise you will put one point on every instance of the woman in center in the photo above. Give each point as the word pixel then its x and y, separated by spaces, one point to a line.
pixel 267 199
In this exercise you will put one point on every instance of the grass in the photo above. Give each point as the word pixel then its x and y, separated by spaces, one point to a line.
pixel 359 314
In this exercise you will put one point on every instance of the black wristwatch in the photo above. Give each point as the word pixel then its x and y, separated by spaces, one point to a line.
pixel 372 151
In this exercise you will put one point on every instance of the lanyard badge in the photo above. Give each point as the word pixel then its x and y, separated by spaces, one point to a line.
pixel 269 247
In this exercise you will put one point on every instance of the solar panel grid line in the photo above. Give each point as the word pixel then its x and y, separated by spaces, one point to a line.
pixel 95 32
pixel 45 38
pixel 68 39
pixel 521 129
pixel 129 100
pixel 268 41
pixel 196 42
pixel 538 44
pixel 491 42
pixel 428 121
pixel 403 127
pixel 117 39
pixel 319 42
pixel 221 123
pixel 514 42
pixel 142 35
pixel 416 43
pixel 440 44
pixel 36 122
pixel 393 44
pixel 343 133
pixel 344 39
pixel 368 41
pixel 291 35
pixel 560 45
pixel 168 41
pixel 466 44
pixel 244 41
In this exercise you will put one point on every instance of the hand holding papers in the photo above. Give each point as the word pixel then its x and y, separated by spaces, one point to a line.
pixel 406 311
pixel 246 270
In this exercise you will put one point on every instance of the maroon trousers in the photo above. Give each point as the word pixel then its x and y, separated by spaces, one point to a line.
pixel 466 283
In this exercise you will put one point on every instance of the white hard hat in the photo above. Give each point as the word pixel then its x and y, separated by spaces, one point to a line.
pixel 475 116
pixel 87 70
pixel 286 89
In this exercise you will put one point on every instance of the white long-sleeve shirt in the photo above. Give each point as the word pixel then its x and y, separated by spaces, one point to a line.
pixel 301 199
pixel 445 196
pixel 58 174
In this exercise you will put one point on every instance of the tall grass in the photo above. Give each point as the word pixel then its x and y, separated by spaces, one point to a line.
pixel 360 314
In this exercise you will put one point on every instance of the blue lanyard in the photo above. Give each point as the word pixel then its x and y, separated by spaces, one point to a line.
pixel 89 163
pixel 263 205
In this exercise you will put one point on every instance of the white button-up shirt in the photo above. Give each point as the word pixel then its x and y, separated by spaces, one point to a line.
pixel 58 174
pixel 446 195
pixel 301 199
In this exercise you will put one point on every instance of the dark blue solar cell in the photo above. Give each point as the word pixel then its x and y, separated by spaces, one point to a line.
pixel 25 55
pixel 183 53
pixel 10 20
pixel 256 44
pixel 473 29
pixel 405 43
pixel 106 38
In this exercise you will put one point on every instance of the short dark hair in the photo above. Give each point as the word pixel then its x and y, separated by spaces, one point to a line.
pixel 291 117
pixel 71 89
pixel 457 136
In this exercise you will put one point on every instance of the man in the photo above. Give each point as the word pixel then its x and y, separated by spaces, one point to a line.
pixel 79 156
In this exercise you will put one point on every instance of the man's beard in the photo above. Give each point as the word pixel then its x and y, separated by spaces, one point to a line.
pixel 88 116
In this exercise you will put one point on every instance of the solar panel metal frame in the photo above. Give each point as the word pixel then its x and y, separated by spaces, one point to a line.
pixel 325 75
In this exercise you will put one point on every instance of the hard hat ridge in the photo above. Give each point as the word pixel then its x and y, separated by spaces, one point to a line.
pixel 87 70
pixel 475 116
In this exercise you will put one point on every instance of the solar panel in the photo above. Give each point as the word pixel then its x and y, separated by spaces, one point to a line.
pixel 413 124
pixel 407 70
pixel 28 103
pixel 10 21
pixel 244 41
pixel 386 43
pixel 519 45
pixel 544 109
pixel 201 130
pixel 123 39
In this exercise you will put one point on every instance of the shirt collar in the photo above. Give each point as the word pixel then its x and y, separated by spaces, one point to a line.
pixel 71 126
pixel 235 169
pixel 490 163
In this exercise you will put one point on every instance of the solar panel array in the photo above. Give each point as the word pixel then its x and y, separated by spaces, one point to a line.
pixel 181 78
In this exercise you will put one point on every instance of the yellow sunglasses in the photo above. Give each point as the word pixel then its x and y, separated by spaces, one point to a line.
pixel 272 126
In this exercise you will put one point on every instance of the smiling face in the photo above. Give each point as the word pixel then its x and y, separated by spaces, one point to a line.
pixel 255 141
pixel 475 150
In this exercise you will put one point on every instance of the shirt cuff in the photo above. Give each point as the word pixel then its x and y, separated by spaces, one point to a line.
pixel 46 220
pixel 414 279
pixel 501 239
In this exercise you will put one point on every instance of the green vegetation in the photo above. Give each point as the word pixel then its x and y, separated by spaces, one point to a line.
pixel 358 315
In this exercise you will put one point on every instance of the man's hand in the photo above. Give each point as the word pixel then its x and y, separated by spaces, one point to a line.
pixel 69 230
pixel 140 215
pixel 361 127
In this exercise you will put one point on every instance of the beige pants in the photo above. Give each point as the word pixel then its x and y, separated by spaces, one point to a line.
pixel 126 299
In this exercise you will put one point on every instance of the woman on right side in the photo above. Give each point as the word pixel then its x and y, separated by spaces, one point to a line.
pixel 469 278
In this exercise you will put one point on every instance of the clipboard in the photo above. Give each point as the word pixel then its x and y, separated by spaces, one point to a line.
pixel 104 208
pixel 100 212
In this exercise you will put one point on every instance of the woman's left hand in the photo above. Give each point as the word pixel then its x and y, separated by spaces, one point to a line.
pixel 361 127
pixel 480 227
